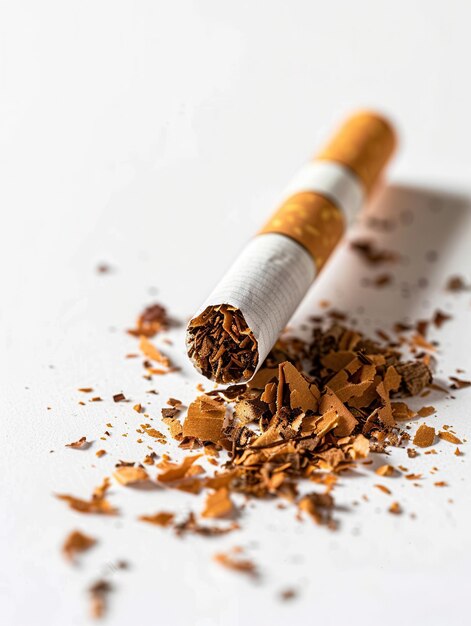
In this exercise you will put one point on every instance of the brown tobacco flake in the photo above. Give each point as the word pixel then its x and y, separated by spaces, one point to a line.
pixel 459 383
pixel 249 410
pixel 176 471
pixel 174 402
pixel 458 452
pixel 237 564
pixel 86 389
pixel 424 436
pixel 371 254
pixel 401 411
pixel 412 453
pixel 425 411
pixel 456 284
pixel 447 436
pixel 205 419
pixel 100 453
pixel 416 375
pixel 98 598
pixel 288 594
pixel 130 475
pixel 441 483
pixel 170 412
pixel 385 470
pixel 96 504
pixel 76 543
pixel 319 506
pixel 222 345
pixel 149 459
pixel 413 476
pixel 158 519
pixel 190 525
pixel 151 352
pixel 119 397
pixel 440 318
pixel 395 508
pixel 218 504
pixel 153 432
pixel 151 321
pixel 383 489
pixel 137 408
pixel 418 341
pixel 81 443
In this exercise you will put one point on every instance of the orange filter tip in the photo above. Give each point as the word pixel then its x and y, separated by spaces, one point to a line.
pixel 364 143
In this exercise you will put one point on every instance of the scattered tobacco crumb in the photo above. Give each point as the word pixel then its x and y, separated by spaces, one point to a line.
pixel 459 383
pixel 385 470
pixel 424 436
pixel 99 592
pixel 457 284
pixel 81 443
pixel 76 543
pixel 288 594
pixel 153 320
pixel 158 519
pixel 230 560
pixel 371 254
pixel 130 475
pixel 119 397
pixel 450 437
pixel 97 503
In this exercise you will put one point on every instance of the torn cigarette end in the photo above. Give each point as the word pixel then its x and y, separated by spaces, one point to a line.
pixel 222 346
pixel 248 309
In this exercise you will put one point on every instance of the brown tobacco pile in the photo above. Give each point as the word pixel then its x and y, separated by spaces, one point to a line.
pixel 222 345
pixel 312 412
pixel 289 425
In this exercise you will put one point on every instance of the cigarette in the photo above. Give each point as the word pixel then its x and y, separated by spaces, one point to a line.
pixel 238 324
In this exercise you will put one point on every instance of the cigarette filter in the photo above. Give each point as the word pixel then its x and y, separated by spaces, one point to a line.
pixel 236 327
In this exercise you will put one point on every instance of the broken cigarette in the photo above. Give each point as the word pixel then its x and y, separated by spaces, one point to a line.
pixel 234 330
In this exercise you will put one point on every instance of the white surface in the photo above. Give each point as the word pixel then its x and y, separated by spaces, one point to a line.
pixel 332 180
pixel 267 283
pixel 126 130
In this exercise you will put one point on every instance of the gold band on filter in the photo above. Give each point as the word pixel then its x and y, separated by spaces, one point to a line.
pixel 311 220
pixel 363 144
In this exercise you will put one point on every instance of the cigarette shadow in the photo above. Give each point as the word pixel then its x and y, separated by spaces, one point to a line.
pixel 424 226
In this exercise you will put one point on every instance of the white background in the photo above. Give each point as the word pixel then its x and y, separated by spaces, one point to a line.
pixel 156 136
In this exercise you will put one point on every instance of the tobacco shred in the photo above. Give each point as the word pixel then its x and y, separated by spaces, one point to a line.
pixel 371 254
pixel 76 543
pixel 222 345
pixel 235 563
pixel 98 598
pixel 130 475
pixel 425 436
pixel 154 319
pixel 447 436
pixel 158 519
pixel 218 504
pixel 81 443
pixel 97 503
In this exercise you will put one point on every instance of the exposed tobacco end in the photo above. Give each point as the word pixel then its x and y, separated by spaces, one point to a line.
pixel 222 346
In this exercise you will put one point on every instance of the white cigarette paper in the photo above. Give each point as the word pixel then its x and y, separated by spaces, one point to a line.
pixel 266 283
